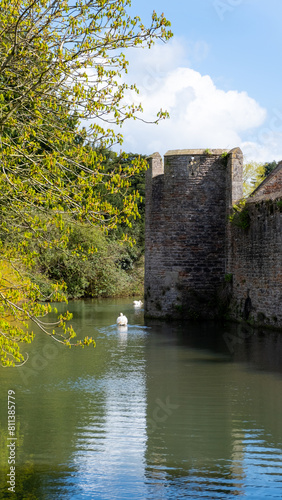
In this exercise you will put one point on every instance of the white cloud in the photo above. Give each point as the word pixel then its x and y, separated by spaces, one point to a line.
pixel 266 144
pixel 201 115
pixel 263 152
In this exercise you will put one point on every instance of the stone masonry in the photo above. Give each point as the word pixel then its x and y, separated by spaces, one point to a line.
pixel 187 202
pixel 255 257
pixel 196 262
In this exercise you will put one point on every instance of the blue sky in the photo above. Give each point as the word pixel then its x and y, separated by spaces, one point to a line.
pixel 244 40
pixel 219 77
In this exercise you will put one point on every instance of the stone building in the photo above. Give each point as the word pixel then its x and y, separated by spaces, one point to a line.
pixel 197 263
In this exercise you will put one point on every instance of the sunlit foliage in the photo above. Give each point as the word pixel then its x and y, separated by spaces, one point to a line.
pixel 253 175
pixel 61 63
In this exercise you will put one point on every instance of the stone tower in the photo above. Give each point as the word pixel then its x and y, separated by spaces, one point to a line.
pixel 188 200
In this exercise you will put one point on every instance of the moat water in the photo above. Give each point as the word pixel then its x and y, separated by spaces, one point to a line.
pixel 160 411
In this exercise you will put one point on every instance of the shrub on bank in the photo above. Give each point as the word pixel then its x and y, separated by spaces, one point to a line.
pixel 91 265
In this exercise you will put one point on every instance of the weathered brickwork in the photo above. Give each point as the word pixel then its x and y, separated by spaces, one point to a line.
pixel 255 257
pixel 186 211
pixel 195 260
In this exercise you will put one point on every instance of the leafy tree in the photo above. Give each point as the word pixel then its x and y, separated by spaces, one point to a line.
pixel 253 175
pixel 61 63
pixel 113 162
pixel 269 167
pixel 90 265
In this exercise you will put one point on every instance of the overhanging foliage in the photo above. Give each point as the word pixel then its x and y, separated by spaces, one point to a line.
pixel 61 63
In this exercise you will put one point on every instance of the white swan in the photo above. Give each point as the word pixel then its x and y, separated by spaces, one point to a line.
pixel 122 320
pixel 137 303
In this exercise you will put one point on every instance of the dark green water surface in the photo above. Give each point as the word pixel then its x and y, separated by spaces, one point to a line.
pixel 160 411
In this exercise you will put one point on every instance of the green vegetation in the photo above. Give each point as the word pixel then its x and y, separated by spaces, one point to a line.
pixel 224 159
pixel 240 216
pixel 254 173
pixel 94 263
pixel 90 265
pixel 269 167
pixel 62 63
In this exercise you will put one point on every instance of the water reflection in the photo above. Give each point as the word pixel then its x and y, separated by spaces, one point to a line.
pixel 123 336
pixel 155 411
pixel 221 434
